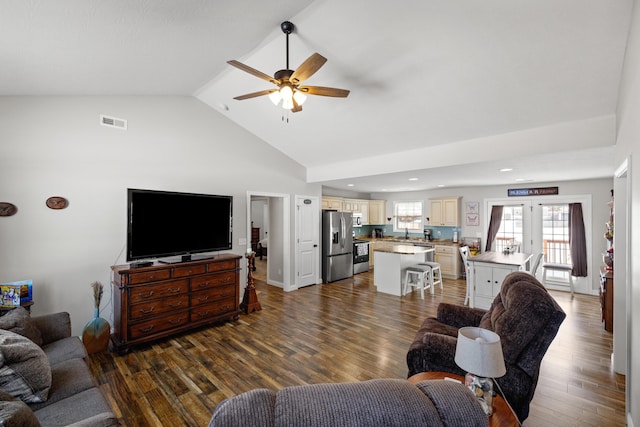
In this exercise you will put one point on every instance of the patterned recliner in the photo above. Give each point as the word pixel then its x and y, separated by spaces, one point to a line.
pixel 523 314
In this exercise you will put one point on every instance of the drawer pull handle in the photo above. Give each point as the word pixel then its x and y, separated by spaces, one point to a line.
pixel 224 294
pixel 224 307
pixel 149 329
pixel 204 285
pixel 143 311
pixel 147 295
pixel 174 291
pixel 205 298
pixel 204 314
pixel 175 304
pixel 175 322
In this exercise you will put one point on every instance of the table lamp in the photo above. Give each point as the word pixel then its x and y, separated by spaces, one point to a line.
pixel 479 352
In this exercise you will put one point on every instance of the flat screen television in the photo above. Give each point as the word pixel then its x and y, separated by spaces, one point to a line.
pixel 170 224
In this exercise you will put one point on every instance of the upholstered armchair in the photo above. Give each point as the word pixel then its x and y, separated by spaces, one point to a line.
pixel 525 317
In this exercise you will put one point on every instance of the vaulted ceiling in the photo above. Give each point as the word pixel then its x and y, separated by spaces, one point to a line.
pixel 448 92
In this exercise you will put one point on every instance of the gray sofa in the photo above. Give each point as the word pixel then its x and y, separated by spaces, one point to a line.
pixel 44 379
pixel 379 402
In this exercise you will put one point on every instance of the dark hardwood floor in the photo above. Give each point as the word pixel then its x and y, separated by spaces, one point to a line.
pixel 343 331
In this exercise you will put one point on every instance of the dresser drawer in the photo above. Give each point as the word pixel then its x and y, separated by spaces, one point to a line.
pixel 212 280
pixel 149 276
pixel 224 265
pixel 189 271
pixel 214 294
pixel 159 306
pixel 158 324
pixel 206 311
pixel 161 290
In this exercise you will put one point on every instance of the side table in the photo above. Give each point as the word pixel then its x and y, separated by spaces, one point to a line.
pixel 502 415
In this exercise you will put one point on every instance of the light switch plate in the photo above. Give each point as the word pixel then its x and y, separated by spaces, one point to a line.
pixel 242 241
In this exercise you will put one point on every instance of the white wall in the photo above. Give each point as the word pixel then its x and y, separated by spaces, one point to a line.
pixel 54 146
pixel 627 146
pixel 598 188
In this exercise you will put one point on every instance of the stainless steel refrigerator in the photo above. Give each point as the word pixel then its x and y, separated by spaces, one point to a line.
pixel 337 245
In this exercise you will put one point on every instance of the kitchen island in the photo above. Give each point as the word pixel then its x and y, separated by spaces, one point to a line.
pixel 391 265
pixel 487 271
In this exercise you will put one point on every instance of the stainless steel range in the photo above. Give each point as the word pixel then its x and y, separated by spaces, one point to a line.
pixel 360 256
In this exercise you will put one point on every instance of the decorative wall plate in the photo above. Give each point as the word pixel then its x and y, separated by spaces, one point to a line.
pixel 57 202
pixel 7 209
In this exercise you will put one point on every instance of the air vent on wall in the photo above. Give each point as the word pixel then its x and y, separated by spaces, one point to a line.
pixel 113 122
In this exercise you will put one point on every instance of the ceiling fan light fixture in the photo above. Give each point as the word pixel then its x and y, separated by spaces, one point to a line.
pixel 287 97
pixel 299 97
pixel 290 91
pixel 275 97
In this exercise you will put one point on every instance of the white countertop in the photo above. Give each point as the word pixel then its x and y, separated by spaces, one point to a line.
pixel 405 249
pixel 500 258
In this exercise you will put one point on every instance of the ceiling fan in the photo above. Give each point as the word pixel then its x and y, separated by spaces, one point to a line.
pixel 289 89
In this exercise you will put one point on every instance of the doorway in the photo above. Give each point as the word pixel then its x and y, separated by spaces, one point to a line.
pixel 272 214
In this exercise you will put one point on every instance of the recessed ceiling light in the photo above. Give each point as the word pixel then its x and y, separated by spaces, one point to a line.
pixel 440 185
pixel 520 179
pixel 413 179
pixel 506 169
pixel 350 185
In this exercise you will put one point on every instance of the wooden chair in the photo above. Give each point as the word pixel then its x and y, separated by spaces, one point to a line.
pixel 464 253
pixel 536 264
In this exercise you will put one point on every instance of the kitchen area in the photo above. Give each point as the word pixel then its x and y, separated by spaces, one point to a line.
pixel 375 246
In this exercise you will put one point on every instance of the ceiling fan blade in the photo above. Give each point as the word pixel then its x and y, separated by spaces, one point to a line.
pixel 324 91
pixel 253 71
pixel 255 94
pixel 307 68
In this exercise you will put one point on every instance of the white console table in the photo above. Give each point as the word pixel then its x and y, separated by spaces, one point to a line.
pixel 488 270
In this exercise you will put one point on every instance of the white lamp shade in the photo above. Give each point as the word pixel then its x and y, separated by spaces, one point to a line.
pixel 479 352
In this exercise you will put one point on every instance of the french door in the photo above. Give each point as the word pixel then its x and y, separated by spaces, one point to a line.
pixel 541 225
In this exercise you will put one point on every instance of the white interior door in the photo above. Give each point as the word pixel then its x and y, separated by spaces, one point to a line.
pixel 307 240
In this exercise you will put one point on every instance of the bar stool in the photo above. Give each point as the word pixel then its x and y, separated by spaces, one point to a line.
pixel 435 268
pixel 423 278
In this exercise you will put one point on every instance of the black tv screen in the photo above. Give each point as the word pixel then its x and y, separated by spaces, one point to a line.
pixel 164 223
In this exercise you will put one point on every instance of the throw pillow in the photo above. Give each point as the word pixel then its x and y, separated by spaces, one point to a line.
pixel 18 320
pixel 16 413
pixel 24 369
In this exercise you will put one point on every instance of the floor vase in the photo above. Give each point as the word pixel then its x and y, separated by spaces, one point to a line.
pixel 96 334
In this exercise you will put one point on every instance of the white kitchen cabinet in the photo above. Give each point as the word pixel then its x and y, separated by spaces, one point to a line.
pixel 364 210
pixel 488 272
pixel 444 211
pixel 333 203
pixel 448 258
pixel 377 212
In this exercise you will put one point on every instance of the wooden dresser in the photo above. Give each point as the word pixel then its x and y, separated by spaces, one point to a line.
pixel 153 302
pixel 606 298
